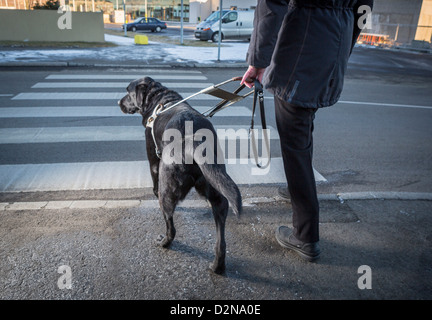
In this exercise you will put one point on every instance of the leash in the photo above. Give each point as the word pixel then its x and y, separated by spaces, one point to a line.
pixel 228 99
pixel 259 95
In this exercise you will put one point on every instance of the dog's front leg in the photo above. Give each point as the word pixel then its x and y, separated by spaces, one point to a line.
pixel 154 171
pixel 153 161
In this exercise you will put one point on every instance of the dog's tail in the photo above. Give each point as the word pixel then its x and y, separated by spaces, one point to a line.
pixel 219 179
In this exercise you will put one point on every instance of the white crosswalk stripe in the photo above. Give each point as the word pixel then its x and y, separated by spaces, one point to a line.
pixel 90 96
pixel 129 77
pixel 170 85
pixel 123 75
pixel 50 100
pixel 110 175
pixel 99 133
pixel 106 111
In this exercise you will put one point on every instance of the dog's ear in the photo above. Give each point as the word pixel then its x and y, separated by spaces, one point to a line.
pixel 142 87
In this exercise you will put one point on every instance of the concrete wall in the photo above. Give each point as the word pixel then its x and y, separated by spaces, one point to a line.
pixel 199 10
pixel 424 31
pixel 240 4
pixel 49 25
pixel 388 14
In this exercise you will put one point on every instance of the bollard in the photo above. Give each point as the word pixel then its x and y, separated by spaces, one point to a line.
pixel 141 39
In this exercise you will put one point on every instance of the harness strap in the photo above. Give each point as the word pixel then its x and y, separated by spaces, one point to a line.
pixel 150 124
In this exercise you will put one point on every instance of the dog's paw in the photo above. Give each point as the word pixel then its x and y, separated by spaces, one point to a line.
pixel 220 270
pixel 163 241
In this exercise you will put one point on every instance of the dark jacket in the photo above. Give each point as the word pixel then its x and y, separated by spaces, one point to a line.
pixel 305 45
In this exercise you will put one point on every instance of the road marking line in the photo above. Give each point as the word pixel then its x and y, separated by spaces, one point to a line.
pixel 380 104
pixel 386 104
pixel 6 95
pixel 113 175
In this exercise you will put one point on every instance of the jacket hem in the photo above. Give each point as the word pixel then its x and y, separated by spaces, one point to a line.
pixel 304 104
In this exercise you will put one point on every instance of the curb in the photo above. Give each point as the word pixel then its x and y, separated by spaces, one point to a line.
pixel 249 202
pixel 387 195
pixel 34 64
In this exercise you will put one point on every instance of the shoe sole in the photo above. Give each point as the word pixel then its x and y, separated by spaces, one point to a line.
pixel 297 250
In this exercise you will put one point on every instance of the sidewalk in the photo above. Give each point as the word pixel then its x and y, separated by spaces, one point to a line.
pixel 127 54
pixel 162 55
pixel 110 247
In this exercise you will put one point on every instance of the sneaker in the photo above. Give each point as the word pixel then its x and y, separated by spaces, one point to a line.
pixel 284 193
pixel 307 251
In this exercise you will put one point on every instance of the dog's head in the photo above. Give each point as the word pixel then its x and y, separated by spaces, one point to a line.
pixel 134 101
pixel 144 94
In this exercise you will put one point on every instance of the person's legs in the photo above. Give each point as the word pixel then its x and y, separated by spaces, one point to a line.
pixel 295 127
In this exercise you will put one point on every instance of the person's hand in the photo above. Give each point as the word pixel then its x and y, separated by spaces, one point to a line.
pixel 251 74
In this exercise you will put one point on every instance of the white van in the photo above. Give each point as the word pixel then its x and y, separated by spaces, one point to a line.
pixel 236 24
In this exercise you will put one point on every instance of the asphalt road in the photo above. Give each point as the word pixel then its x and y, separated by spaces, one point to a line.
pixel 377 138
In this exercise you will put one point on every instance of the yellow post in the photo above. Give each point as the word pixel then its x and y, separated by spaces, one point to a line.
pixel 141 39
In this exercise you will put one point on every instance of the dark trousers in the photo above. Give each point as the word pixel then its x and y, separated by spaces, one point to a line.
pixel 295 127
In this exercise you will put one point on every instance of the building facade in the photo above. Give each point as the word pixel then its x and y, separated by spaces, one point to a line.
pixel 398 21
pixel 402 21
pixel 201 9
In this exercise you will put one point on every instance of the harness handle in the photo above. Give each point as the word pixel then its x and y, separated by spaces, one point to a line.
pixel 227 102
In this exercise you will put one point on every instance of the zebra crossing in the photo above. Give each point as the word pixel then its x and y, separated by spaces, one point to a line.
pixel 73 136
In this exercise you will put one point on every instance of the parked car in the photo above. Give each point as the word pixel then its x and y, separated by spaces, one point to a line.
pixel 152 24
pixel 235 25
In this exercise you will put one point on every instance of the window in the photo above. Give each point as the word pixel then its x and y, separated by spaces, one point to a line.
pixel 230 17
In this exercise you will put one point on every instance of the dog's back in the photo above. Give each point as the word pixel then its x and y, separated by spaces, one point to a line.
pixel 204 152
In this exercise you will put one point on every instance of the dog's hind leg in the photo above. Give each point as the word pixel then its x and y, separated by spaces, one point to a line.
pixel 220 210
pixel 172 189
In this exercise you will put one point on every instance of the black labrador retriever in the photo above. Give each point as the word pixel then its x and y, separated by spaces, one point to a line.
pixel 191 166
